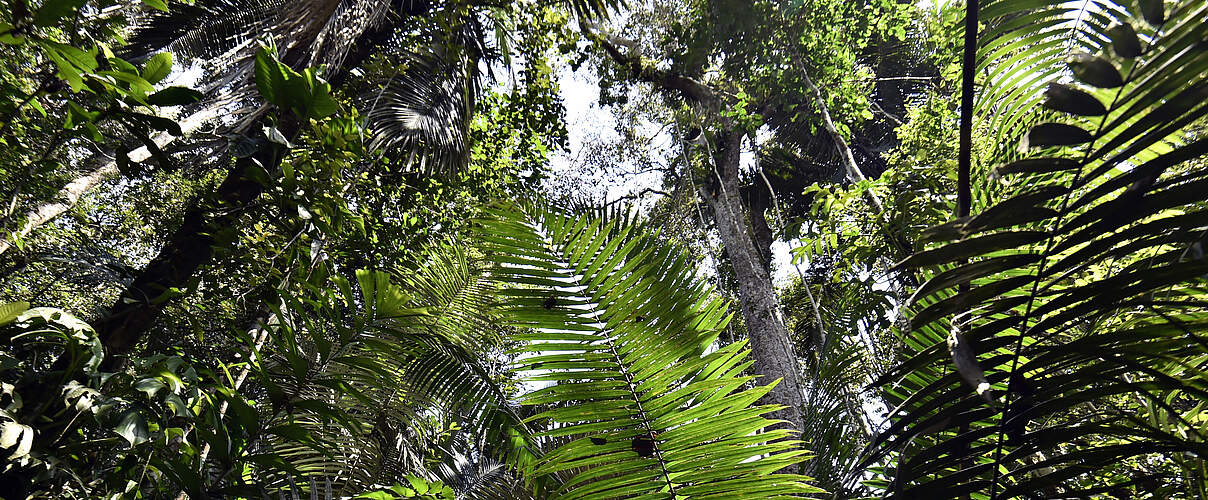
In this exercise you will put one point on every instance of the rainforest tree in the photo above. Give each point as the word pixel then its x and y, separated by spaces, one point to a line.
pixel 349 249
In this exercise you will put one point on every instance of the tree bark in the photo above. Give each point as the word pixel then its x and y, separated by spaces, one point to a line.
pixel 104 168
pixel 192 245
pixel 189 247
pixel 770 342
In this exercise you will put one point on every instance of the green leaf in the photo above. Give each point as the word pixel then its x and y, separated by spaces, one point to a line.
pixel 79 58
pixel 280 85
pixel 324 105
pixel 1054 134
pixel 158 67
pixel 1071 100
pixel 1124 40
pixel 269 80
pixel 133 427
pixel 72 62
pixel 295 94
pixel 164 162
pixel 157 122
pixel 11 310
pixel 157 5
pixel 149 386
pixel 7 38
pixel 52 11
pixel 174 96
pixel 77 115
pixel 139 87
pixel 419 485
pixel 1095 71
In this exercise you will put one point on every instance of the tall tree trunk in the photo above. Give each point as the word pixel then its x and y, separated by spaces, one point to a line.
pixel 189 247
pixel 770 342
pixel 771 346
pixel 104 167
pixel 192 245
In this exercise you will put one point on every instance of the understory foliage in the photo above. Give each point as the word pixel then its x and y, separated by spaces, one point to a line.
pixel 346 382
pixel 339 386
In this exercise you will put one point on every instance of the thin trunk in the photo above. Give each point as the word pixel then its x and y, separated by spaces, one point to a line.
pixel 104 168
pixel 192 245
pixel 964 193
pixel 770 342
pixel 849 160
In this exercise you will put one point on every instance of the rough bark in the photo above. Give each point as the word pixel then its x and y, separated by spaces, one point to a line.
pixel 755 197
pixel 104 167
pixel 192 244
pixel 189 247
pixel 770 342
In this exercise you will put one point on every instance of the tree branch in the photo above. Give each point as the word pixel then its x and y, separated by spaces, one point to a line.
pixel 853 170
pixel 637 195
pixel 666 80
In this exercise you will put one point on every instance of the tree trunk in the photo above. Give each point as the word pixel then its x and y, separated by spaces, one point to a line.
pixel 189 247
pixel 770 342
pixel 192 244
pixel 105 167
pixel 771 346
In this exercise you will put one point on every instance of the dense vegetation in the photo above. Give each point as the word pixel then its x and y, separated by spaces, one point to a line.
pixel 823 249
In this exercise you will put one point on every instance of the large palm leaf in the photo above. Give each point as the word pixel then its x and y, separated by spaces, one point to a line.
pixel 638 398
pixel 1058 348
pixel 421 114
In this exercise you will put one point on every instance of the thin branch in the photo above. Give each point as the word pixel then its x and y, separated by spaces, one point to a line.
pixel 637 195
pixel 877 107
pixel 853 170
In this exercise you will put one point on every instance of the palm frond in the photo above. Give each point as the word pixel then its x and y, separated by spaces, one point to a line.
pixel 1082 330
pixel 487 480
pixel 227 32
pixel 204 29
pixel 374 395
pixel 621 333
pixel 223 35
pixel 421 115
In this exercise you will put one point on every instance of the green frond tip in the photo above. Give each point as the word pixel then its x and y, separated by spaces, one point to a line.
pixel 636 397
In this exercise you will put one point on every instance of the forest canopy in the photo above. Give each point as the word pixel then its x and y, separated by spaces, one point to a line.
pixel 590 249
